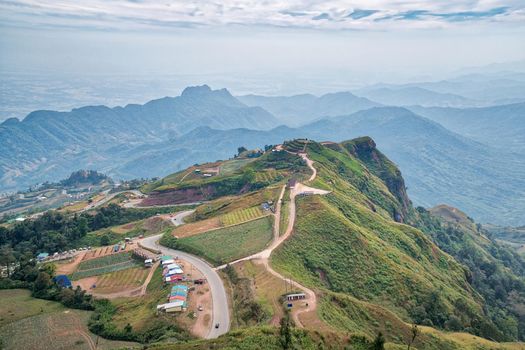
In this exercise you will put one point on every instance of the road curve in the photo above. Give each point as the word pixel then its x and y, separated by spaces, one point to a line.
pixel 221 312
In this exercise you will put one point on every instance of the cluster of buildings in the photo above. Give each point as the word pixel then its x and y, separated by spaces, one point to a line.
pixel 178 297
pixel 171 271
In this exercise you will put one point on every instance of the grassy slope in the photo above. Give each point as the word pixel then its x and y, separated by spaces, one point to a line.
pixel 29 323
pixel 230 243
pixel 354 247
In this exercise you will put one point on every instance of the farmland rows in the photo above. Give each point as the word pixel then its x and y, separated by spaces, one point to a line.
pixel 266 176
pixel 129 277
pixel 242 215
pixel 103 270
pixel 104 261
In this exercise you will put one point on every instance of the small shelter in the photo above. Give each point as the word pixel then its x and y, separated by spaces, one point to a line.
pixel 295 296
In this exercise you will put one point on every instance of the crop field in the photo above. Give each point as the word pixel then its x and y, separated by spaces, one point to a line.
pixel 195 228
pixel 29 323
pixel 229 204
pixel 266 175
pixel 121 280
pixel 103 265
pixel 74 207
pixel 230 243
pixel 243 215
pixel 98 253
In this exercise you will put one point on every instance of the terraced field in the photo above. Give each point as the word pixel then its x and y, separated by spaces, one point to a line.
pixel 106 264
pixel 243 215
pixel 266 176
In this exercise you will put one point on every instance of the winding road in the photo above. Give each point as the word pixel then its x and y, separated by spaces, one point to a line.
pixel 221 312
pixel 264 256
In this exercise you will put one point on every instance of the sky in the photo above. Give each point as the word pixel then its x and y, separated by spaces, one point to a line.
pixel 274 42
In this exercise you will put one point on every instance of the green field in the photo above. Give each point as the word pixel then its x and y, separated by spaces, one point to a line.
pixel 29 323
pixel 230 243
pixel 266 175
pixel 243 215
pixel 231 166
pixel 106 264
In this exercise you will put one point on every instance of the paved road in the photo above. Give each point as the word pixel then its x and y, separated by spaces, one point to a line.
pixel 221 312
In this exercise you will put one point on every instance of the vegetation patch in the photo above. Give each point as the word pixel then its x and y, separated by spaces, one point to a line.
pixel 243 215
pixel 121 280
pixel 227 244
pixel 106 264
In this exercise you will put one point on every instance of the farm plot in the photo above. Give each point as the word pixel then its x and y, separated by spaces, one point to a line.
pixel 106 264
pixel 230 243
pixel 240 216
pixel 121 280
pixel 266 175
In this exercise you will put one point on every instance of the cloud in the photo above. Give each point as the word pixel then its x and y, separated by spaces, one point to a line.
pixel 358 13
pixel 331 14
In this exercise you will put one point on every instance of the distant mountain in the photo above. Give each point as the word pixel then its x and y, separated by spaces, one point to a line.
pixel 48 145
pixel 497 126
pixel 486 89
pixel 302 109
pixel 408 96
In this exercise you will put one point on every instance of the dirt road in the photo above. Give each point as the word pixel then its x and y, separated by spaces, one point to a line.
pixel 310 305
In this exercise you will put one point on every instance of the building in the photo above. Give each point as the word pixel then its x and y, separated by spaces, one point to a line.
pixel 175 306
pixel 177 300
pixel 296 296
pixel 292 183
pixel 42 256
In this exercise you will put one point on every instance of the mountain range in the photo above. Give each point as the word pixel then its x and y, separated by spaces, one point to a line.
pixel 442 163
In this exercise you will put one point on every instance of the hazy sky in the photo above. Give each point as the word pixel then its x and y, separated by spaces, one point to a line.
pixel 368 38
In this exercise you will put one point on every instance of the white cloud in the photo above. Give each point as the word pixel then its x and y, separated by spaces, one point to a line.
pixel 334 14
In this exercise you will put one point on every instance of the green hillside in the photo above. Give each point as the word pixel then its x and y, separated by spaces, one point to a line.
pixel 351 243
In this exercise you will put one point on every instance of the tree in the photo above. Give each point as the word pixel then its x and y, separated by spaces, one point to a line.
pixel 128 328
pixel 414 334
pixel 43 282
pixel 285 331
pixel 241 149
pixel 104 240
pixel 7 258
pixel 379 342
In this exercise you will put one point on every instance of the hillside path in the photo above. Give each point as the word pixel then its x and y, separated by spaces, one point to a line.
pixel 264 256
